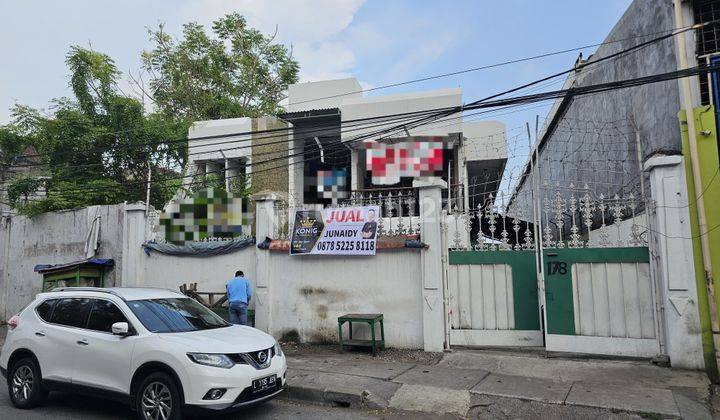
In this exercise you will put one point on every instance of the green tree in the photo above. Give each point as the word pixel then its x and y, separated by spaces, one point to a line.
pixel 237 73
pixel 97 146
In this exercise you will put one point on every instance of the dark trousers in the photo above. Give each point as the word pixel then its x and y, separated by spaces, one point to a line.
pixel 238 313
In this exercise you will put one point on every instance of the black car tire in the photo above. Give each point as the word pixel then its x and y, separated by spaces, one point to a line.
pixel 165 390
pixel 25 384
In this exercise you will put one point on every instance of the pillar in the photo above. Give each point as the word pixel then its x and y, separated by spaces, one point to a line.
pixel 355 171
pixel 232 175
pixel 672 265
pixel 265 226
pixel 130 262
pixel 431 261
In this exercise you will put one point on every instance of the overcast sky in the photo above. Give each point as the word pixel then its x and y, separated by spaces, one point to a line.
pixel 378 41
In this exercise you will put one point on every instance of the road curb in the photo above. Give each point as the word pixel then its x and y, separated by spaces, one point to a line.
pixel 333 397
pixel 505 403
pixel 365 400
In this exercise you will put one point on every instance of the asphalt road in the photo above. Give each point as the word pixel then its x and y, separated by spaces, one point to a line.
pixel 66 406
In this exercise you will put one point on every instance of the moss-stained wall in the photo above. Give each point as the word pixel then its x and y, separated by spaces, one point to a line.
pixel 271 148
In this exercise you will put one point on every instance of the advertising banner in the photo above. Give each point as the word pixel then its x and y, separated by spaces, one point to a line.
pixel 335 231
pixel 417 156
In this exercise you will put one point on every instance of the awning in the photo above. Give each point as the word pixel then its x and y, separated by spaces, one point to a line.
pixel 91 262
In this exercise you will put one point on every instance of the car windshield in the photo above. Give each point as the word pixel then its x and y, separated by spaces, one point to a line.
pixel 175 315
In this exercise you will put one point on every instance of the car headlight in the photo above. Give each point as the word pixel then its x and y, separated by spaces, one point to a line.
pixel 277 350
pixel 207 359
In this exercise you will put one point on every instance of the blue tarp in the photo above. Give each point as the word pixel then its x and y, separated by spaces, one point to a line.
pixel 199 249
pixel 101 262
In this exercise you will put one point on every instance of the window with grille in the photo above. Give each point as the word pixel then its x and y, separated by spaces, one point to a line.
pixel 707 38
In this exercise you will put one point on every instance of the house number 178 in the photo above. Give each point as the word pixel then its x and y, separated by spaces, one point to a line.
pixel 556 267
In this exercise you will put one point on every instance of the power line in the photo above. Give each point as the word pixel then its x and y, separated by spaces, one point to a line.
pixel 524 99
pixel 486 102
pixel 331 126
pixel 331 130
pixel 670 34
pixel 518 100
pixel 501 64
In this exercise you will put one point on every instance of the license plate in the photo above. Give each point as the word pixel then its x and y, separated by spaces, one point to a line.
pixel 264 383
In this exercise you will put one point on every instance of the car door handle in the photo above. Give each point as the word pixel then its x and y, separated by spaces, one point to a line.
pixel 82 342
pixel 40 333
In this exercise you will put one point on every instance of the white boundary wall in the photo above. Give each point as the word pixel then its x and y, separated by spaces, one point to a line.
pixel 308 293
pixel 305 294
pixel 302 295
pixel 53 238
pixel 210 273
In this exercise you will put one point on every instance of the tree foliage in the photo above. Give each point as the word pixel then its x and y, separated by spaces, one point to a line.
pixel 97 146
pixel 237 73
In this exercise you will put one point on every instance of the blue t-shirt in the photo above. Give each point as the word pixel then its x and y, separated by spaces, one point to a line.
pixel 239 290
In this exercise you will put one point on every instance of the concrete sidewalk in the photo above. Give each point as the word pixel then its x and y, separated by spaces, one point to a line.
pixel 495 384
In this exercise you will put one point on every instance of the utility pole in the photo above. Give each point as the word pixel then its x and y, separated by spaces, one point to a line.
pixel 535 198
pixel 638 153
pixel 695 166
pixel 147 191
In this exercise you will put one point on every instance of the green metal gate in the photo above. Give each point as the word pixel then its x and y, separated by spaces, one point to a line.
pixel 496 298
pixel 577 280
pixel 600 300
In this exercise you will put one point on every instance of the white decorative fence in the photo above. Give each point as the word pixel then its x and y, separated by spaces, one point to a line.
pixel 399 214
pixel 570 218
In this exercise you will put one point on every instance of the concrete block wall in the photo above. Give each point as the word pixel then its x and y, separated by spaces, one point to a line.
pixel 298 295
pixel 53 238
pixel 606 123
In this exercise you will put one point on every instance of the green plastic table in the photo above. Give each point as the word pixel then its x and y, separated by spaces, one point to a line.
pixel 371 320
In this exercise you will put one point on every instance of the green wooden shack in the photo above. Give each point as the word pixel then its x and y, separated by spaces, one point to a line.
pixel 84 273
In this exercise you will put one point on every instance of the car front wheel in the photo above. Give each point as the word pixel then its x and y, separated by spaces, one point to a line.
pixel 25 384
pixel 158 398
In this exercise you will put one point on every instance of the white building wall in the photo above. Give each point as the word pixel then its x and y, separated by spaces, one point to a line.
pixel 323 94
pixel 215 146
pixel 376 106
pixel 308 293
pixel 484 140
pixel 220 131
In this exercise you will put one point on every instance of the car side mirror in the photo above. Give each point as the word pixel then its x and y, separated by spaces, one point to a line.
pixel 121 328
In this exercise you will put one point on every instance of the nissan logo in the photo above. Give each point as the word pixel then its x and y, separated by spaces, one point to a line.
pixel 262 356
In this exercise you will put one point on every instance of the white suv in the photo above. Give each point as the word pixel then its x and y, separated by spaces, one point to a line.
pixel 156 349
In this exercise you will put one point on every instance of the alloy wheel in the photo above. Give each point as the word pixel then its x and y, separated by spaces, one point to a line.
pixel 22 383
pixel 156 402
